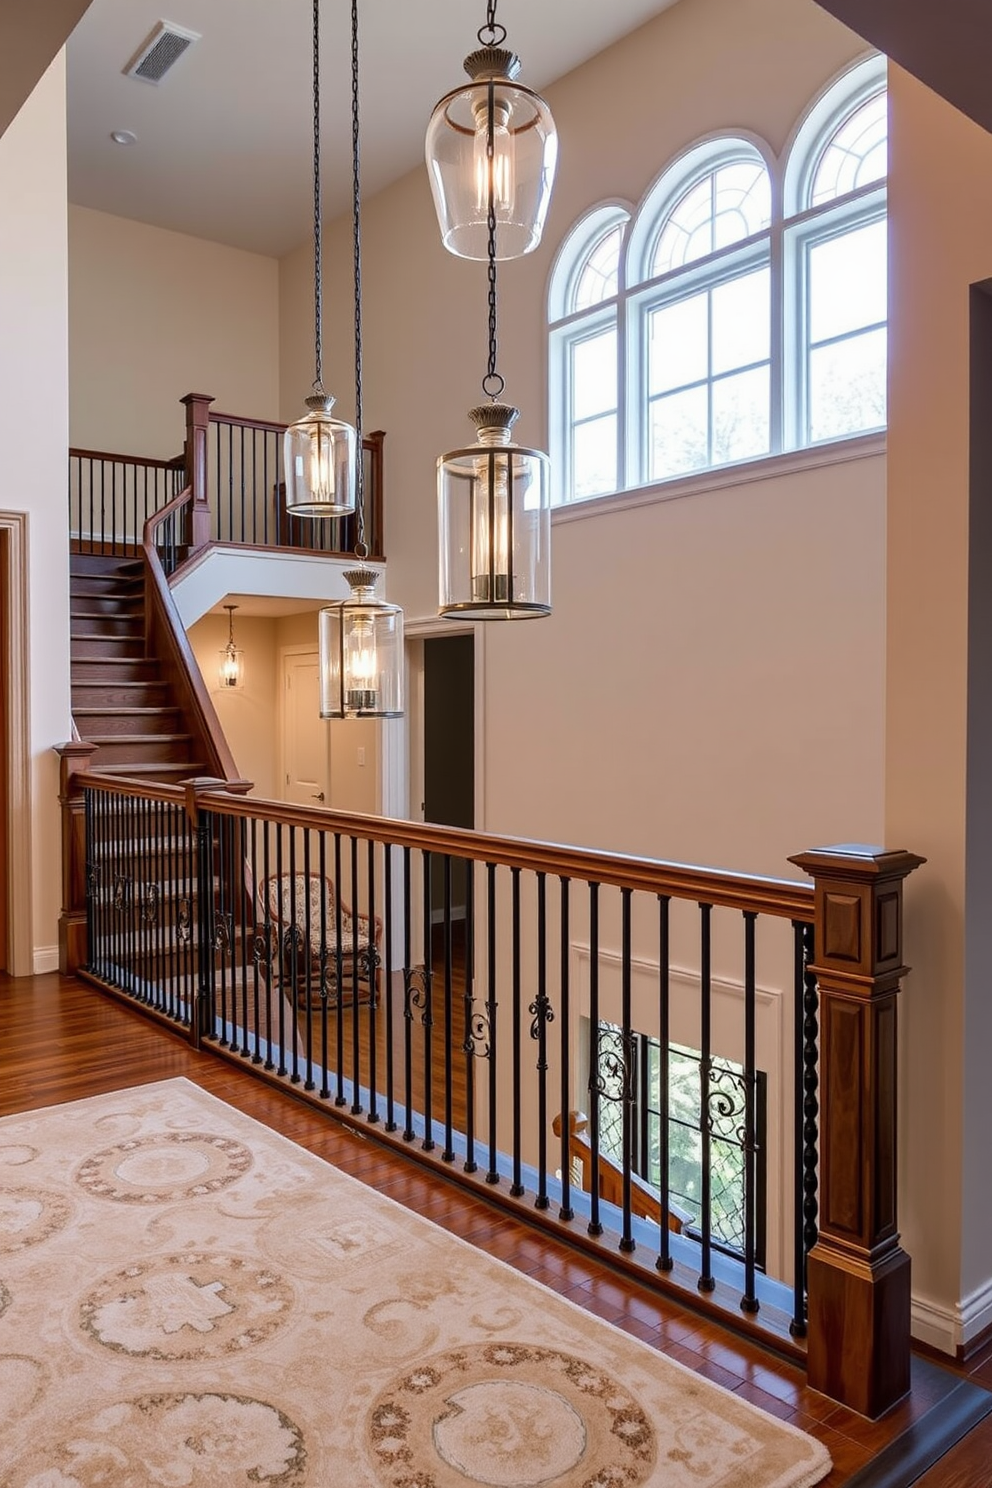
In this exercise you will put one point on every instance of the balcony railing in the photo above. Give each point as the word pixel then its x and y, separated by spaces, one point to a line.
pixel 447 990
pixel 232 467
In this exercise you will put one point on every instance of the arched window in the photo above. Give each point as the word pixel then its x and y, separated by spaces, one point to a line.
pixel 700 313
pixel 708 328
pixel 585 356
pixel 837 243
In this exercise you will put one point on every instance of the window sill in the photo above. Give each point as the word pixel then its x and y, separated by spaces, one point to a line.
pixel 768 467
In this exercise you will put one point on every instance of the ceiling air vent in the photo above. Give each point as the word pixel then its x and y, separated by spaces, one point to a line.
pixel 164 46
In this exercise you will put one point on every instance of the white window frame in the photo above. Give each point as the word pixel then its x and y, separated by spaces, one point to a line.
pixel 785 246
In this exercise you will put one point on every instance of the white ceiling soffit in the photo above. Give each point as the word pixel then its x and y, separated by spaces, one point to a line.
pixel 224 144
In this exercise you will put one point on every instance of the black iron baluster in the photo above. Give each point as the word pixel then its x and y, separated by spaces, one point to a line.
pixel 566 1211
pixel 387 853
pixel 706 1281
pixel 408 994
pixel 339 1098
pixel 298 938
pixel 542 1014
pixel 517 1186
pixel 272 948
pixel 448 1155
pixel 265 490
pixel 373 974
pixel 230 497
pixel 664 1261
pixel 325 1089
pixel 492 1174
pixel 356 988
pixel 242 474
pixel 204 922
pixel 428 1013
pixel 472 1026
pixel 749 1301
pixel 309 1083
pixel 284 952
pixel 627 1242
pixel 242 928
pixel 595 1223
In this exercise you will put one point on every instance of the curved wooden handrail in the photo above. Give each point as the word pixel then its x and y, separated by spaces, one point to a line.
pixel 644 1201
pixel 115 459
pixel 165 630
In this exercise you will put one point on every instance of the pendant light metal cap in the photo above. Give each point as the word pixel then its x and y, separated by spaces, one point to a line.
pixel 491 416
pixel 361 578
pixel 492 62
pixel 320 402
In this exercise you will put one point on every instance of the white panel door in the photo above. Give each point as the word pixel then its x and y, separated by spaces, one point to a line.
pixel 305 735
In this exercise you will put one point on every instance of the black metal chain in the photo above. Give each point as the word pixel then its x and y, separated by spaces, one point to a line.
pixel 492 383
pixel 492 33
pixel 317 382
pixel 361 547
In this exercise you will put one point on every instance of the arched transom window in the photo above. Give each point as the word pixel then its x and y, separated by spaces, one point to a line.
pixel 710 326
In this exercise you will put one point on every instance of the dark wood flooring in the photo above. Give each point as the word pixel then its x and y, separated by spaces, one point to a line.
pixel 61 1040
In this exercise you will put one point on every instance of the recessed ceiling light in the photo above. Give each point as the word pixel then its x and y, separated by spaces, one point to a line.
pixel 123 136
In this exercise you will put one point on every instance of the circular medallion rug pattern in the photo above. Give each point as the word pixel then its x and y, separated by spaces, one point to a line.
pixel 510 1415
pixel 164 1169
pixel 190 1300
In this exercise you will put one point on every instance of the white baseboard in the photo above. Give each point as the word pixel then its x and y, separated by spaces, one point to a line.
pixel 949 1329
pixel 46 958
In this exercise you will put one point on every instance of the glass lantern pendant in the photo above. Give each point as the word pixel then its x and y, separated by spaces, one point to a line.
pixel 319 455
pixel 361 653
pixel 319 452
pixel 492 142
pixel 232 658
pixel 494 518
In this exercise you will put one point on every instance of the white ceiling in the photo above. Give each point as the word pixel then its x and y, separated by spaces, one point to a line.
pixel 225 140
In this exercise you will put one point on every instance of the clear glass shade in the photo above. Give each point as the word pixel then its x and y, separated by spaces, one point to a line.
pixel 494 519
pixel 232 668
pixel 522 168
pixel 361 656
pixel 319 463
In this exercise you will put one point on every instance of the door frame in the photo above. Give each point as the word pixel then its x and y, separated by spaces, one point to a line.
pixel 404 791
pixel 15 750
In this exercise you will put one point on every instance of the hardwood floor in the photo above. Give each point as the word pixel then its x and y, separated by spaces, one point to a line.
pixel 61 1040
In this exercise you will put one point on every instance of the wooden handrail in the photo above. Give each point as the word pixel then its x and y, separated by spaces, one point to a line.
pixel 165 630
pixel 268 426
pixel 644 1201
pixel 781 897
pixel 176 463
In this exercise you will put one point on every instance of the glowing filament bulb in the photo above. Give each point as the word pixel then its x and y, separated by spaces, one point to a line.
pixel 491 529
pixel 361 665
pixel 320 478
pixel 503 162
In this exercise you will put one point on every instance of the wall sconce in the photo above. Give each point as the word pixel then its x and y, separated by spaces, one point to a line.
pixel 232 660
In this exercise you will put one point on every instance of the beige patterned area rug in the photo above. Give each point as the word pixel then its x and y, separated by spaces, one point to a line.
pixel 188 1299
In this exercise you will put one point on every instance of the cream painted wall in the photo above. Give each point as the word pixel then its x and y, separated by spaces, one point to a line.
pixel 941 243
pixel 154 315
pixel 34 426
pixel 246 714
pixel 738 606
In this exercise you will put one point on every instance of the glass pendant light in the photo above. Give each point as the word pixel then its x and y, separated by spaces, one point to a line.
pixel 361 637
pixel 494 511
pixel 319 452
pixel 232 660
pixel 493 139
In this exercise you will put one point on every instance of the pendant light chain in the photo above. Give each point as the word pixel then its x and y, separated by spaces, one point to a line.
pixel 317 307
pixel 492 384
pixel 492 33
pixel 361 547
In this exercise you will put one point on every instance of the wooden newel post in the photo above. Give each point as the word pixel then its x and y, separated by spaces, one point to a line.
pixel 74 761
pixel 858 1276
pixel 195 449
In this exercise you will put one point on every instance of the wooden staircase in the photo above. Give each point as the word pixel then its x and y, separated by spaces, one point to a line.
pixel 121 700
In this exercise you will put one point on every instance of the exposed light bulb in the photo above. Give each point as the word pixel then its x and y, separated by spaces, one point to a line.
pixel 230 671
pixel 491 531
pixel 361 665
pixel 503 166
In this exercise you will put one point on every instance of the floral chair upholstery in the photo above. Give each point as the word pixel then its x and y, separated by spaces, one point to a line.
pixel 299 906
